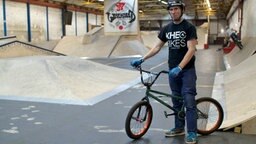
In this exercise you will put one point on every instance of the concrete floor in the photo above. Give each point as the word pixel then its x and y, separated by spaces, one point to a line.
pixel 24 122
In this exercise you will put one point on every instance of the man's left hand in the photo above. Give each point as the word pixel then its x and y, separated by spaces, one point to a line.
pixel 175 71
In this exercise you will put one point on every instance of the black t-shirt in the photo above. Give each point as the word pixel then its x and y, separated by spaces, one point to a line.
pixel 177 36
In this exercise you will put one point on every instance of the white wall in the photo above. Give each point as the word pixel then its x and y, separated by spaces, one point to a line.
pixel 234 21
pixel 71 29
pixel 55 28
pixel 1 20
pixel 249 19
pixel 100 20
pixel 92 19
pixel 38 22
pixel 16 20
pixel 216 27
pixel 81 23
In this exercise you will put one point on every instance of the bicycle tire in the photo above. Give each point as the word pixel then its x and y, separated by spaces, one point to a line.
pixel 209 115
pixel 138 120
pixel 239 44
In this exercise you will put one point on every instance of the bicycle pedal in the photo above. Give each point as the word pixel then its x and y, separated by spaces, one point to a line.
pixel 166 114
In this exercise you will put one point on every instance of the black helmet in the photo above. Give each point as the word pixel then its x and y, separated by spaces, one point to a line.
pixel 172 3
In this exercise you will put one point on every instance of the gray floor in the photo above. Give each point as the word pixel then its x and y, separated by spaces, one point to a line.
pixel 24 122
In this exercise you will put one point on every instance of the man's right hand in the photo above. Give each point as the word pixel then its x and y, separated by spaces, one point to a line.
pixel 137 62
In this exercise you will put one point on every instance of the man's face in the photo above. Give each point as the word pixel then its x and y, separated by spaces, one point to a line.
pixel 175 13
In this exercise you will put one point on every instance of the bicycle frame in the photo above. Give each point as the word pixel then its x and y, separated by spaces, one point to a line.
pixel 153 93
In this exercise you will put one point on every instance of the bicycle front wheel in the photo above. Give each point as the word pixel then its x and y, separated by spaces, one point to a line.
pixel 209 115
pixel 138 120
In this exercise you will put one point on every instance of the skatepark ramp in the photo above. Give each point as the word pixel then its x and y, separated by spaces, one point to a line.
pixel 17 48
pixel 92 44
pixel 7 39
pixel 128 45
pixel 92 35
pixel 149 38
pixel 235 89
pixel 61 79
pixel 236 56
pixel 96 44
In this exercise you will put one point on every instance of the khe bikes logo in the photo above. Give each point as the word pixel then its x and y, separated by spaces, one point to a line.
pixel 120 15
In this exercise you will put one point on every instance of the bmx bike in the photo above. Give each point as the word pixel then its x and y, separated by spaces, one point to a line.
pixel 236 40
pixel 138 120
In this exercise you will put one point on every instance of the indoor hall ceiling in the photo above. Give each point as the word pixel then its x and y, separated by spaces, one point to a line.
pixel 156 8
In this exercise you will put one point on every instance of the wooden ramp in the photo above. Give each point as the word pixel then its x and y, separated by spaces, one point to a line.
pixel 128 45
pixel 235 89
pixel 96 44
pixel 21 49
pixel 61 79
pixel 236 56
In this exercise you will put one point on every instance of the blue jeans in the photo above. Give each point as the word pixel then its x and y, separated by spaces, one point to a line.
pixel 184 85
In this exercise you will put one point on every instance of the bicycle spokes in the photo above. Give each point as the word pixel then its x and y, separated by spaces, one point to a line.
pixel 209 115
pixel 138 120
pixel 201 115
pixel 140 114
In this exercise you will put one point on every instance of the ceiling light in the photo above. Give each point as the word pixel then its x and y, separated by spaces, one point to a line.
pixel 209 4
pixel 163 2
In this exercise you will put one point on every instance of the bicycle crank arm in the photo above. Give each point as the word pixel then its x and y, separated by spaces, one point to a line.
pixel 166 114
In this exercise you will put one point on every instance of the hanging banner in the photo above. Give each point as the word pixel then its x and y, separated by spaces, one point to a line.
pixel 121 17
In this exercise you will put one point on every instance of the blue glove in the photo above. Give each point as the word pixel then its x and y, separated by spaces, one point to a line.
pixel 137 62
pixel 175 71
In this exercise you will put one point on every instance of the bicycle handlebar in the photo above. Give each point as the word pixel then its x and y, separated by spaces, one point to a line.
pixel 151 73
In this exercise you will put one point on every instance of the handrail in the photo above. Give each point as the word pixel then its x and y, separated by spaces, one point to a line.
pixel 7 37
pixel 31 45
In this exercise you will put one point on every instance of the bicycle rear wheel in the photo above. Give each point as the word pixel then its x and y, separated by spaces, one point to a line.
pixel 239 44
pixel 138 120
pixel 209 115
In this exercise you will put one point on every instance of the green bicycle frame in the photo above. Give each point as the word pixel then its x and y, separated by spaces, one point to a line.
pixel 152 94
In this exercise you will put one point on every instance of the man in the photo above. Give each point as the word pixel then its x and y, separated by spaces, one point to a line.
pixel 182 38
pixel 232 33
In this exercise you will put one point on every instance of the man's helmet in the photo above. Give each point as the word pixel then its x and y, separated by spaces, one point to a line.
pixel 172 3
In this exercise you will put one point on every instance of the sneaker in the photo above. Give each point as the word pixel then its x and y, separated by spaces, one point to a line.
pixel 175 132
pixel 191 138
